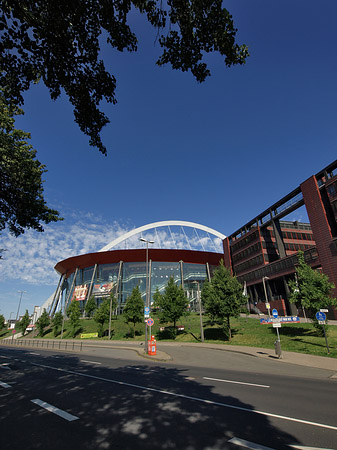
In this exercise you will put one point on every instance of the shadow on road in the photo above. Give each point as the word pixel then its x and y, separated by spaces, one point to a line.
pixel 132 415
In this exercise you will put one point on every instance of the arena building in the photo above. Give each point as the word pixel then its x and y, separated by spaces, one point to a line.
pixel 263 254
pixel 119 270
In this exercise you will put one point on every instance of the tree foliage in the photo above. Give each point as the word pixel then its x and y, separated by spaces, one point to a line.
pixel 90 306
pixel 74 314
pixel 172 304
pixel 223 296
pixel 24 322
pixel 57 322
pixel 42 322
pixel 134 309
pixel 102 315
pixel 59 43
pixel 312 289
pixel 2 321
pixel 22 204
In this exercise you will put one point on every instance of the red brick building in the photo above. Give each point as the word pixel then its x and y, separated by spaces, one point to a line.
pixel 263 253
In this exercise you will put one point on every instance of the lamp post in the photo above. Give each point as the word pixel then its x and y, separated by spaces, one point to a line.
pixel 265 293
pixel 200 312
pixel 147 297
pixel 17 314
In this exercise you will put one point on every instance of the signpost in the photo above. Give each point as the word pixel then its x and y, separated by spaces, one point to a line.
pixel 150 323
pixel 321 317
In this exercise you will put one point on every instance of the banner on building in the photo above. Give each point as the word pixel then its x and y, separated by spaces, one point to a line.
pixel 102 289
pixel 80 292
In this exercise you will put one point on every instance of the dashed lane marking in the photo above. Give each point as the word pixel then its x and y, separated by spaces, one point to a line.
pixel 4 385
pixel 54 410
pixel 248 444
pixel 237 382
pixel 188 397
pixel 91 362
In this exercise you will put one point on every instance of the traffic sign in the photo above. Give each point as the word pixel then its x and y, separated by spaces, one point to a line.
pixel 276 324
pixel 324 310
pixel 267 305
pixel 146 312
pixel 321 316
pixel 275 313
pixel 150 322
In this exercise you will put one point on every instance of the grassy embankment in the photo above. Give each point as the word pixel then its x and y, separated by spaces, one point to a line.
pixel 246 331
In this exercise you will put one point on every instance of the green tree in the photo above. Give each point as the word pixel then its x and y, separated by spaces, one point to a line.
pixel 59 42
pixel 172 304
pixel 42 322
pixel 222 297
pixel 90 306
pixel 134 309
pixel 74 314
pixel 24 322
pixel 2 321
pixel 312 289
pixel 57 322
pixel 22 204
pixel 102 315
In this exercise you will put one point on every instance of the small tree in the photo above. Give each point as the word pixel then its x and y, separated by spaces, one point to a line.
pixel 24 322
pixel 223 297
pixel 172 304
pixel 134 309
pixel 312 290
pixel 2 321
pixel 57 322
pixel 42 322
pixel 90 306
pixel 102 315
pixel 74 314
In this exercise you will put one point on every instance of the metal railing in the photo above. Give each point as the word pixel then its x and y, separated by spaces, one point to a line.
pixel 43 343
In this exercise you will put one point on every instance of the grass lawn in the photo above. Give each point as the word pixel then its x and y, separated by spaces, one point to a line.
pixel 245 331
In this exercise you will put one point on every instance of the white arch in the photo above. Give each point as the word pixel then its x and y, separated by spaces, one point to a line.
pixel 163 223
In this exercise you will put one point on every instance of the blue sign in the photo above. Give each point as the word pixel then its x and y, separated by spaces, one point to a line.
pixel 289 319
pixel 146 310
pixel 275 313
pixel 320 316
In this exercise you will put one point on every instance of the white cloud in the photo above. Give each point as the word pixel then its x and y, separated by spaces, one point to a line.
pixel 31 258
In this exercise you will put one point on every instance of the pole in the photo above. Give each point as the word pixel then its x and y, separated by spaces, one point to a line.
pixel 146 286
pixel 110 313
pixel 326 340
pixel 17 314
pixel 265 293
pixel 200 314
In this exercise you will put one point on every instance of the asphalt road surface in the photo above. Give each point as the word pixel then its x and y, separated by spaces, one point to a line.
pixel 104 399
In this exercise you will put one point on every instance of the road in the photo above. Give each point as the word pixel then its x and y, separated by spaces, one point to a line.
pixel 114 399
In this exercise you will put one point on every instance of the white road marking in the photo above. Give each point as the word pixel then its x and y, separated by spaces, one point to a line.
pixel 303 447
pixel 188 397
pixel 141 369
pixel 91 362
pixel 33 353
pixel 53 409
pixel 237 382
pixel 5 385
pixel 5 366
pixel 248 444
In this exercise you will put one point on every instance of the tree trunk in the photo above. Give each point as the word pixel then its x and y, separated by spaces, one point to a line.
pixel 229 328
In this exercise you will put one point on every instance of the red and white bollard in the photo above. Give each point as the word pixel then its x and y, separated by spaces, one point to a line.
pixel 152 346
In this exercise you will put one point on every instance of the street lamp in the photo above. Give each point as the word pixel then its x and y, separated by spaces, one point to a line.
pixel 147 297
pixel 265 294
pixel 200 312
pixel 17 314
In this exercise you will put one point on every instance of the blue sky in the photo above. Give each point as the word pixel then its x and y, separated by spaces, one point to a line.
pixel 216 153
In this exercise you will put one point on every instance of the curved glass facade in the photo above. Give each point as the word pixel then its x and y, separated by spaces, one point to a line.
pixel 121 278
